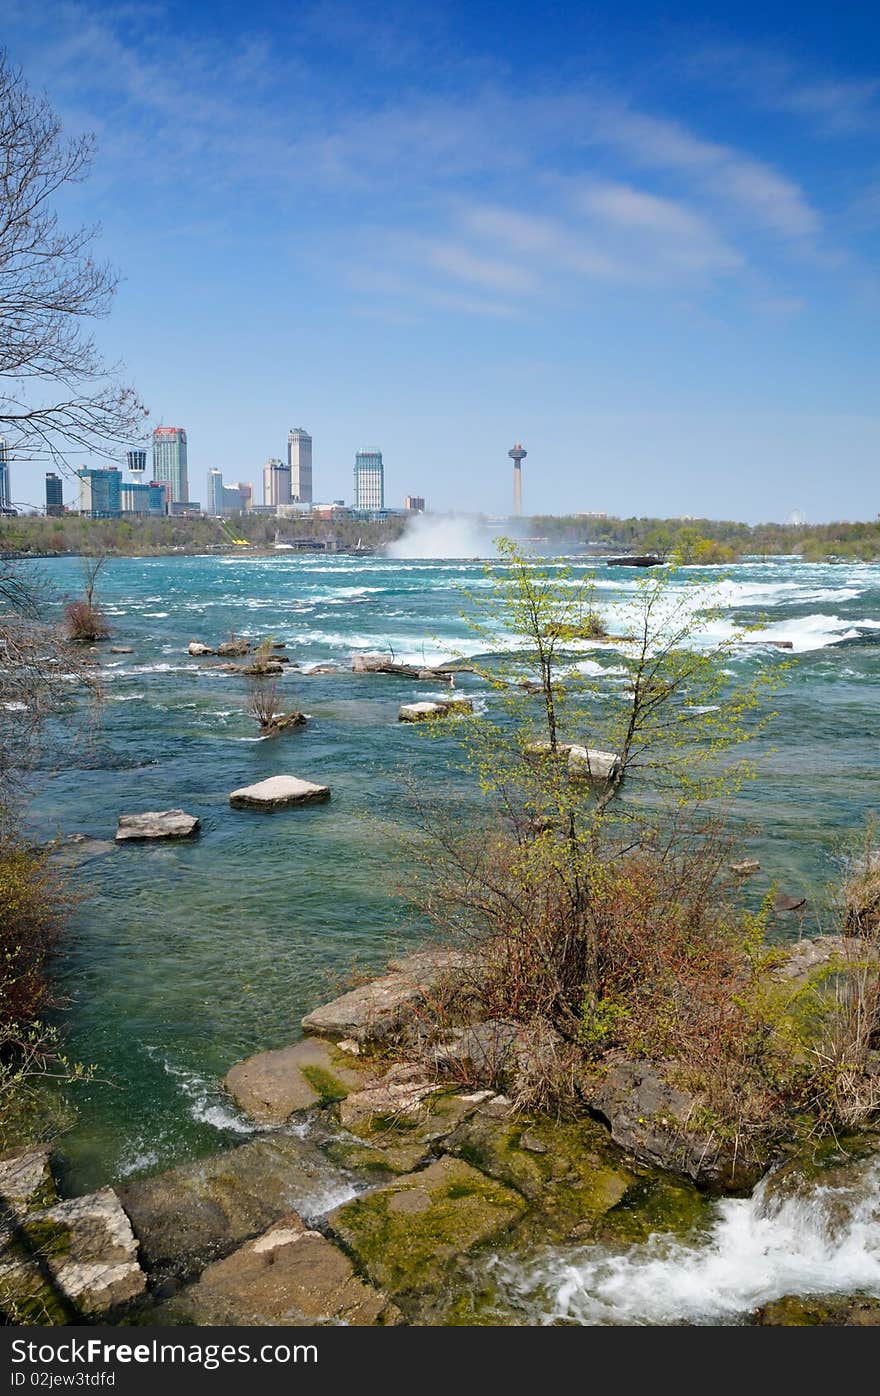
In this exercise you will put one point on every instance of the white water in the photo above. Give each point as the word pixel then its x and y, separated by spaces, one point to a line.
pixel 826 1241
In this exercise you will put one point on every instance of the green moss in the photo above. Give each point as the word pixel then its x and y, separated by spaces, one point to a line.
pixel 50 1238
pixel 326 1086
pixel 657 1202
pixel 407 1236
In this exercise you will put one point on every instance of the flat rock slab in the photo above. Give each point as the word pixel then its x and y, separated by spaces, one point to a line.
pixel 157 824
pixel 270 1086
pixel 429 712
pixel 289 1275
pixel 202 1211
pixel 121 649
pixel 87 1246
pixel 406 1236
pixel 278 792
pixel 584 762
pixel 26 1179
pixel 380 1008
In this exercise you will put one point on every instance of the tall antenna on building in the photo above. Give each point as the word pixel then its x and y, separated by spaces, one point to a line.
pixel 517 455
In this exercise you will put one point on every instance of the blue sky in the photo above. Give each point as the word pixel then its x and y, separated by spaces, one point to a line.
pixel 640 238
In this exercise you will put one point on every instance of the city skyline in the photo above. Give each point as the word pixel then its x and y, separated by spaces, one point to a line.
pixel 654 263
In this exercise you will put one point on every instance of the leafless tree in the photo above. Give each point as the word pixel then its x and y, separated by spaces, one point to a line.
pixel 264 703
pixel 56 393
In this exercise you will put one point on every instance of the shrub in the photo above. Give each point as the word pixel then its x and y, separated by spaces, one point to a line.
pixel 85 623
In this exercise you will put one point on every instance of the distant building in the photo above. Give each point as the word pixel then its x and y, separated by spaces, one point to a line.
pixel 5 496
pixel 136 462
pixel 233 503
pixel 369 480
pixel 138 497
pixel 185 508
pixel 54 495
pixel 215 491
pixel 276 483
pixel 299 462
pixel 100 492
pixel 247 496
pixel 169 461
pixel 414 502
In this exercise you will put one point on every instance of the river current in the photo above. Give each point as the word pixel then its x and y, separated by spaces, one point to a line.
pixel 185 958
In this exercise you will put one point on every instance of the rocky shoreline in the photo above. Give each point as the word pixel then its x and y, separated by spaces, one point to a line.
pixel 375 1190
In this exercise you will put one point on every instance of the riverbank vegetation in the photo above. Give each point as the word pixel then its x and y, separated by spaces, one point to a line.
pixel 692 542
pixel 598 896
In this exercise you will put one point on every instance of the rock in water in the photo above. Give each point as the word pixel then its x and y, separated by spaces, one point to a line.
pixel 746 867
pixel 582 761
pixel 196 648
pixel 157 824
pixel 270 1086
pixel 233 647
pixel 428 712
pixel 289 1275
pixel 277 792
pixel 121 649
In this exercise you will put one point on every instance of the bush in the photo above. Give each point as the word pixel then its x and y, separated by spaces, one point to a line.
pixel 85 623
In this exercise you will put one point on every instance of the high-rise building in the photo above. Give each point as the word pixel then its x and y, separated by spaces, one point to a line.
pixel 247 495
pixel 99 492
pixel 54 495
pixel 299 460
pixel 169 461
pixel 414 502
pixel 232 500
pixel 136 462
pixel 215 491
pixel 137 497
pixel 276 483
pixel 5 499
pixel 369 480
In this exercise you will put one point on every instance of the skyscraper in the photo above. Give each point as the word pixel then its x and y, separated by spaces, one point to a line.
pixel 414 502
pixel 169 461
pixel 5 500
pixel 276 483
pixel 299 462
pixel 369 480
pixel 100 492
pixel 215 491
pixel 54 495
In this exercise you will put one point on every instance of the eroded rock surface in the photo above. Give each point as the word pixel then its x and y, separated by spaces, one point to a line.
pixel 272 1085
pixel 278 792
pixel 157 824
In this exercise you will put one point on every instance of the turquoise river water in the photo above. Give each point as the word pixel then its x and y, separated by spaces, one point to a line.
pixel 185 958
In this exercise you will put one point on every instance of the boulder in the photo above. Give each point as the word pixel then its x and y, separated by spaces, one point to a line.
pixel 649 1115
pixel 87 1247
pixel 584 762
pixel 201 1211
pixel 271 1086
pixel 121 649
pixel 197 649
pixel 485 1051
pixel 157 824
pixel 382 1007
pixel 409 1235
pixel 428 712
pixel 263 670
pixel 290 1275
pixel 233 648
pixel 746 867
pixel 816 958
pixel 278 792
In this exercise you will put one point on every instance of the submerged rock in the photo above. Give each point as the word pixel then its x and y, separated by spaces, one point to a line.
pixel 201 1211
pixel 157 824
pixel 121 649
pixel 272 1085
pixel 278 792
pixel 288 1276
pixel 783 902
